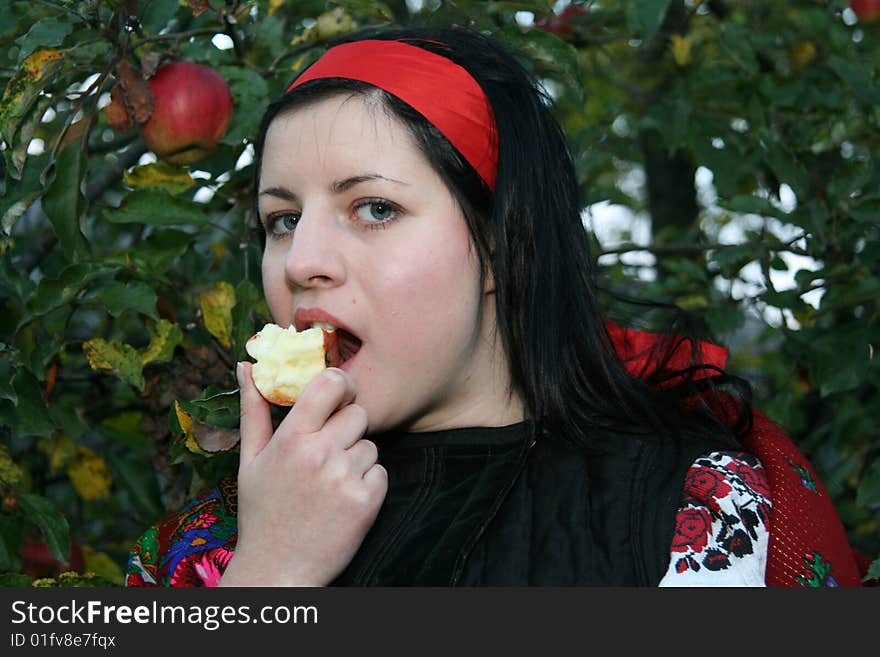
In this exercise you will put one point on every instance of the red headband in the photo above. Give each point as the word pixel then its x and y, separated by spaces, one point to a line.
pixel 437 88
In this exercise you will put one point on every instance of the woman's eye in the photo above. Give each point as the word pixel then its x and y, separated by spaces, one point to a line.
pixel 282 223
pixel 376 211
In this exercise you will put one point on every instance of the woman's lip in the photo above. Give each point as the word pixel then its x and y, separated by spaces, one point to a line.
pixel 303 319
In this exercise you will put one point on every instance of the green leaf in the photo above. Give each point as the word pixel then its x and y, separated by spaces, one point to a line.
pixel 54 293
pixel 243 325
pixel 828 353
pixel 45 33
pixel 788 169
pixel 11 538
pixel 51 522
pixel 159 251
pixel 735 41
pixel 748 204
pixel 15 580
pixel 118 297
pixel 866 211
pixel 13 204
pixel 555 56
pixel 36 73
pixel 162 175
pixel 126 428
pixel 156 207
pixel 644 17
pixel 31 415
pixel 790 299
pixel 142 486
pixel 250 96
pixel 67 417
pixel 120 359
pixel 215 407
pixel 7 365
pixel 64 202
pixel 868 495
pixel 859 76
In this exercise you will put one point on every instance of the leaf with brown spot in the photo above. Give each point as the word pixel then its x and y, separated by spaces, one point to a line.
pixel 216 305
pixel 204 439
pixel 116 111
pixel 138 96
pixel 150 63
pixel 199 7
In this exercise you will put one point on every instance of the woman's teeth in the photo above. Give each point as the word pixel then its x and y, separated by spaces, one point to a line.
pixel 324 325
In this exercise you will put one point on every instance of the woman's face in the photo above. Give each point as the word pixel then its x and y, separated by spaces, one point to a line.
pixel 363 234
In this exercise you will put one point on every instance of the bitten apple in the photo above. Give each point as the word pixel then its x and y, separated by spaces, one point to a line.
pixel 287 360
pixel 193 105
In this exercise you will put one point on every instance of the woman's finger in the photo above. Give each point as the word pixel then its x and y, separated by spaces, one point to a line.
pixel 346 426
pixel 330 390
pixel 256 416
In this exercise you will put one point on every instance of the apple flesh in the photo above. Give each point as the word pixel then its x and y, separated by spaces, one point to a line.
pixel 192 108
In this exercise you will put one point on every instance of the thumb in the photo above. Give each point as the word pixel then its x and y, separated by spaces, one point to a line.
pixel 256 417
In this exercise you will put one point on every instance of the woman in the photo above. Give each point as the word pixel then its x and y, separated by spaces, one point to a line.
pixel 417 194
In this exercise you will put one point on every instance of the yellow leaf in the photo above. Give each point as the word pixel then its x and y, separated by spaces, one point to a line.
pixel 10 473
pixel 164 337
pixel 24 89
pixel 681 50
pixel 35 65
pixel 61 450
pixel 185 420
pixel 692 302
pixel 203 439
pixel 89 475
pixel 102 564
pixel 121 359
pixel 331 24
pixel 804 52
pixel 216 305
pixel 171 178
pixel 328 25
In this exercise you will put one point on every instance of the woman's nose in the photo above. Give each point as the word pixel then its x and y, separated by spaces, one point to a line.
pixel 314 258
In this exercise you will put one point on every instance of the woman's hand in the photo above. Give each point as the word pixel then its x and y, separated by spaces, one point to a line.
pixel 308 494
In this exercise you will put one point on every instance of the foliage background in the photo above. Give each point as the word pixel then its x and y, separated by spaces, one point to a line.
pixel 738 140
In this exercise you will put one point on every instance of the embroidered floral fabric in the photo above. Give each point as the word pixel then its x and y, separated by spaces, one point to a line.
pixel 721 530
pixel 720 539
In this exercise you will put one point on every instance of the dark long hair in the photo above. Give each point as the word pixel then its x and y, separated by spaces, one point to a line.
pixel 529 233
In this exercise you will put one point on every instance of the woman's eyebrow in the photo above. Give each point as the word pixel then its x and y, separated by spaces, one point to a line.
pixel 346 183
pixel 336 186
pixel 280 192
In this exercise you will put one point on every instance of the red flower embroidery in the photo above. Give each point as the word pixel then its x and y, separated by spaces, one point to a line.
pixel 201 568
pixel 752 477
pixel 692 529
pixel 706 483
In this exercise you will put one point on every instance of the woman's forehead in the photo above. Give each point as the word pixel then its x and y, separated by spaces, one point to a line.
pixel 341 130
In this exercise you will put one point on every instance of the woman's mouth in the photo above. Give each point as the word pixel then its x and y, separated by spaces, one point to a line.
pixel 341 345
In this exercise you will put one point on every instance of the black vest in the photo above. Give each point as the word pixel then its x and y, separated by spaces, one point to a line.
pixel 492 507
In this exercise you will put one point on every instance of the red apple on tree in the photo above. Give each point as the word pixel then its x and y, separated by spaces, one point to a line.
pixel 866 10
pixel 560 24
pixel 192 108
